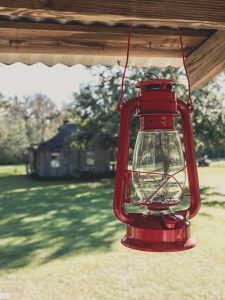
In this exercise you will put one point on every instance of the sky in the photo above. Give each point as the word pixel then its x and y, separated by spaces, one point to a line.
pixel 58 82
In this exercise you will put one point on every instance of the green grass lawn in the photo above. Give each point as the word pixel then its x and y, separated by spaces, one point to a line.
pixel 61 240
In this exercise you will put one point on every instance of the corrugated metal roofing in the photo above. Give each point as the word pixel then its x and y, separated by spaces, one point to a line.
pixel 51 41
pixel 87 60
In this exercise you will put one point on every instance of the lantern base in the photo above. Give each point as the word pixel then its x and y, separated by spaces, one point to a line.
pixel 150 233
pixel 158 247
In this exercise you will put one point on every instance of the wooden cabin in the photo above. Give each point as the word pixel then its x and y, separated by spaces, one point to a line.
pixel 58 157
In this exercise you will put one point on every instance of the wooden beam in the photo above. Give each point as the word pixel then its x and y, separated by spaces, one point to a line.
pixel 101 28
pixel 208 60
pixel 36 37
pixel 183 13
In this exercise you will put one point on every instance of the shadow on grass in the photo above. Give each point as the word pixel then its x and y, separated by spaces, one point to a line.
pixel 41 221
pixel 58 218
pixel 210 197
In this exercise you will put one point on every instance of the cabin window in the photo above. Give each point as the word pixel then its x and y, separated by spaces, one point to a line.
pixel 55 163
pixel 90 158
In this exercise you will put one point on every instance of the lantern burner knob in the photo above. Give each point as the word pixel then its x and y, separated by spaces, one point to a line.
pixel 170 221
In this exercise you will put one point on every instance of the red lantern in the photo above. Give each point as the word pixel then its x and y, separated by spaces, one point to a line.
pixel 158 171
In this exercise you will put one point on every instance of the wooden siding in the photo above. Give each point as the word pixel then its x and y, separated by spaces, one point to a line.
pixel 72 162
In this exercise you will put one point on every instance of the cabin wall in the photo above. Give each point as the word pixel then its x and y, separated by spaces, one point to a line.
pixel 31 162
pixel 62 170
pixel 101 160
pixel 42 163
pixel 73 162
pixel 67 161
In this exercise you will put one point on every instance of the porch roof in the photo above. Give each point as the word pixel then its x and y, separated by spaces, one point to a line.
pixel 95 32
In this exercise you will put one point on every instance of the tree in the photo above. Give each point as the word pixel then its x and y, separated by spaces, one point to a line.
pixel 23 122
pixel 13 138
pixel 208 121
pixel 40 109
pixel 94 108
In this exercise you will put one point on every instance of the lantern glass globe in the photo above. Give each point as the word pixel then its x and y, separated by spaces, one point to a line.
pixel 158 169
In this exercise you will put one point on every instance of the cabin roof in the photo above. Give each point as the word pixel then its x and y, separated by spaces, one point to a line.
pixel 65 135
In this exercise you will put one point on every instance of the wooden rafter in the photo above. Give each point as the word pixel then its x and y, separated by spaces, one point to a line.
pixel 192 13
pixel 35 37
pixel 208 60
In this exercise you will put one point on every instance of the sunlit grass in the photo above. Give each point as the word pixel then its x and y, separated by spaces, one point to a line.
pixel 12 170
pixel 60 240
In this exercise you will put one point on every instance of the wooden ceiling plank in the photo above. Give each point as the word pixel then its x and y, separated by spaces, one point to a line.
pixel 208 60
pixel 54 47
pixel 62 29
pixel 165 40
pixel 183 13
pixel 146 41
pixel 136 31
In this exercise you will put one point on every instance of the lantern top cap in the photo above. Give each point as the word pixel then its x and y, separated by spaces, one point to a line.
pixel 161 82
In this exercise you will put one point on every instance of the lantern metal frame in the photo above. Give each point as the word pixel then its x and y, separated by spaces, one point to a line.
pixel 165 231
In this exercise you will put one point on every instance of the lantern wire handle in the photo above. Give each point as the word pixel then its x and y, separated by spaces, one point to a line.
pixel 120 104
pixel 189 101
pixel 185 66
pixel 150 75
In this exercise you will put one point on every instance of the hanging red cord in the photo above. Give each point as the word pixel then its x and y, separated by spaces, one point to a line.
pixel 120 104
pixel 185 67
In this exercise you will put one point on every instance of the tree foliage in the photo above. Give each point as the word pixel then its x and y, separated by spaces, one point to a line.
pixel 209 123
pixel 24 122
pixel 95 108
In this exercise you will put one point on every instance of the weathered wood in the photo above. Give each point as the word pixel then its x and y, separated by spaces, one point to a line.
pixel 208 60
pixel 101 29
pixel 33 37
pixel 67 49
pixel 192 13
